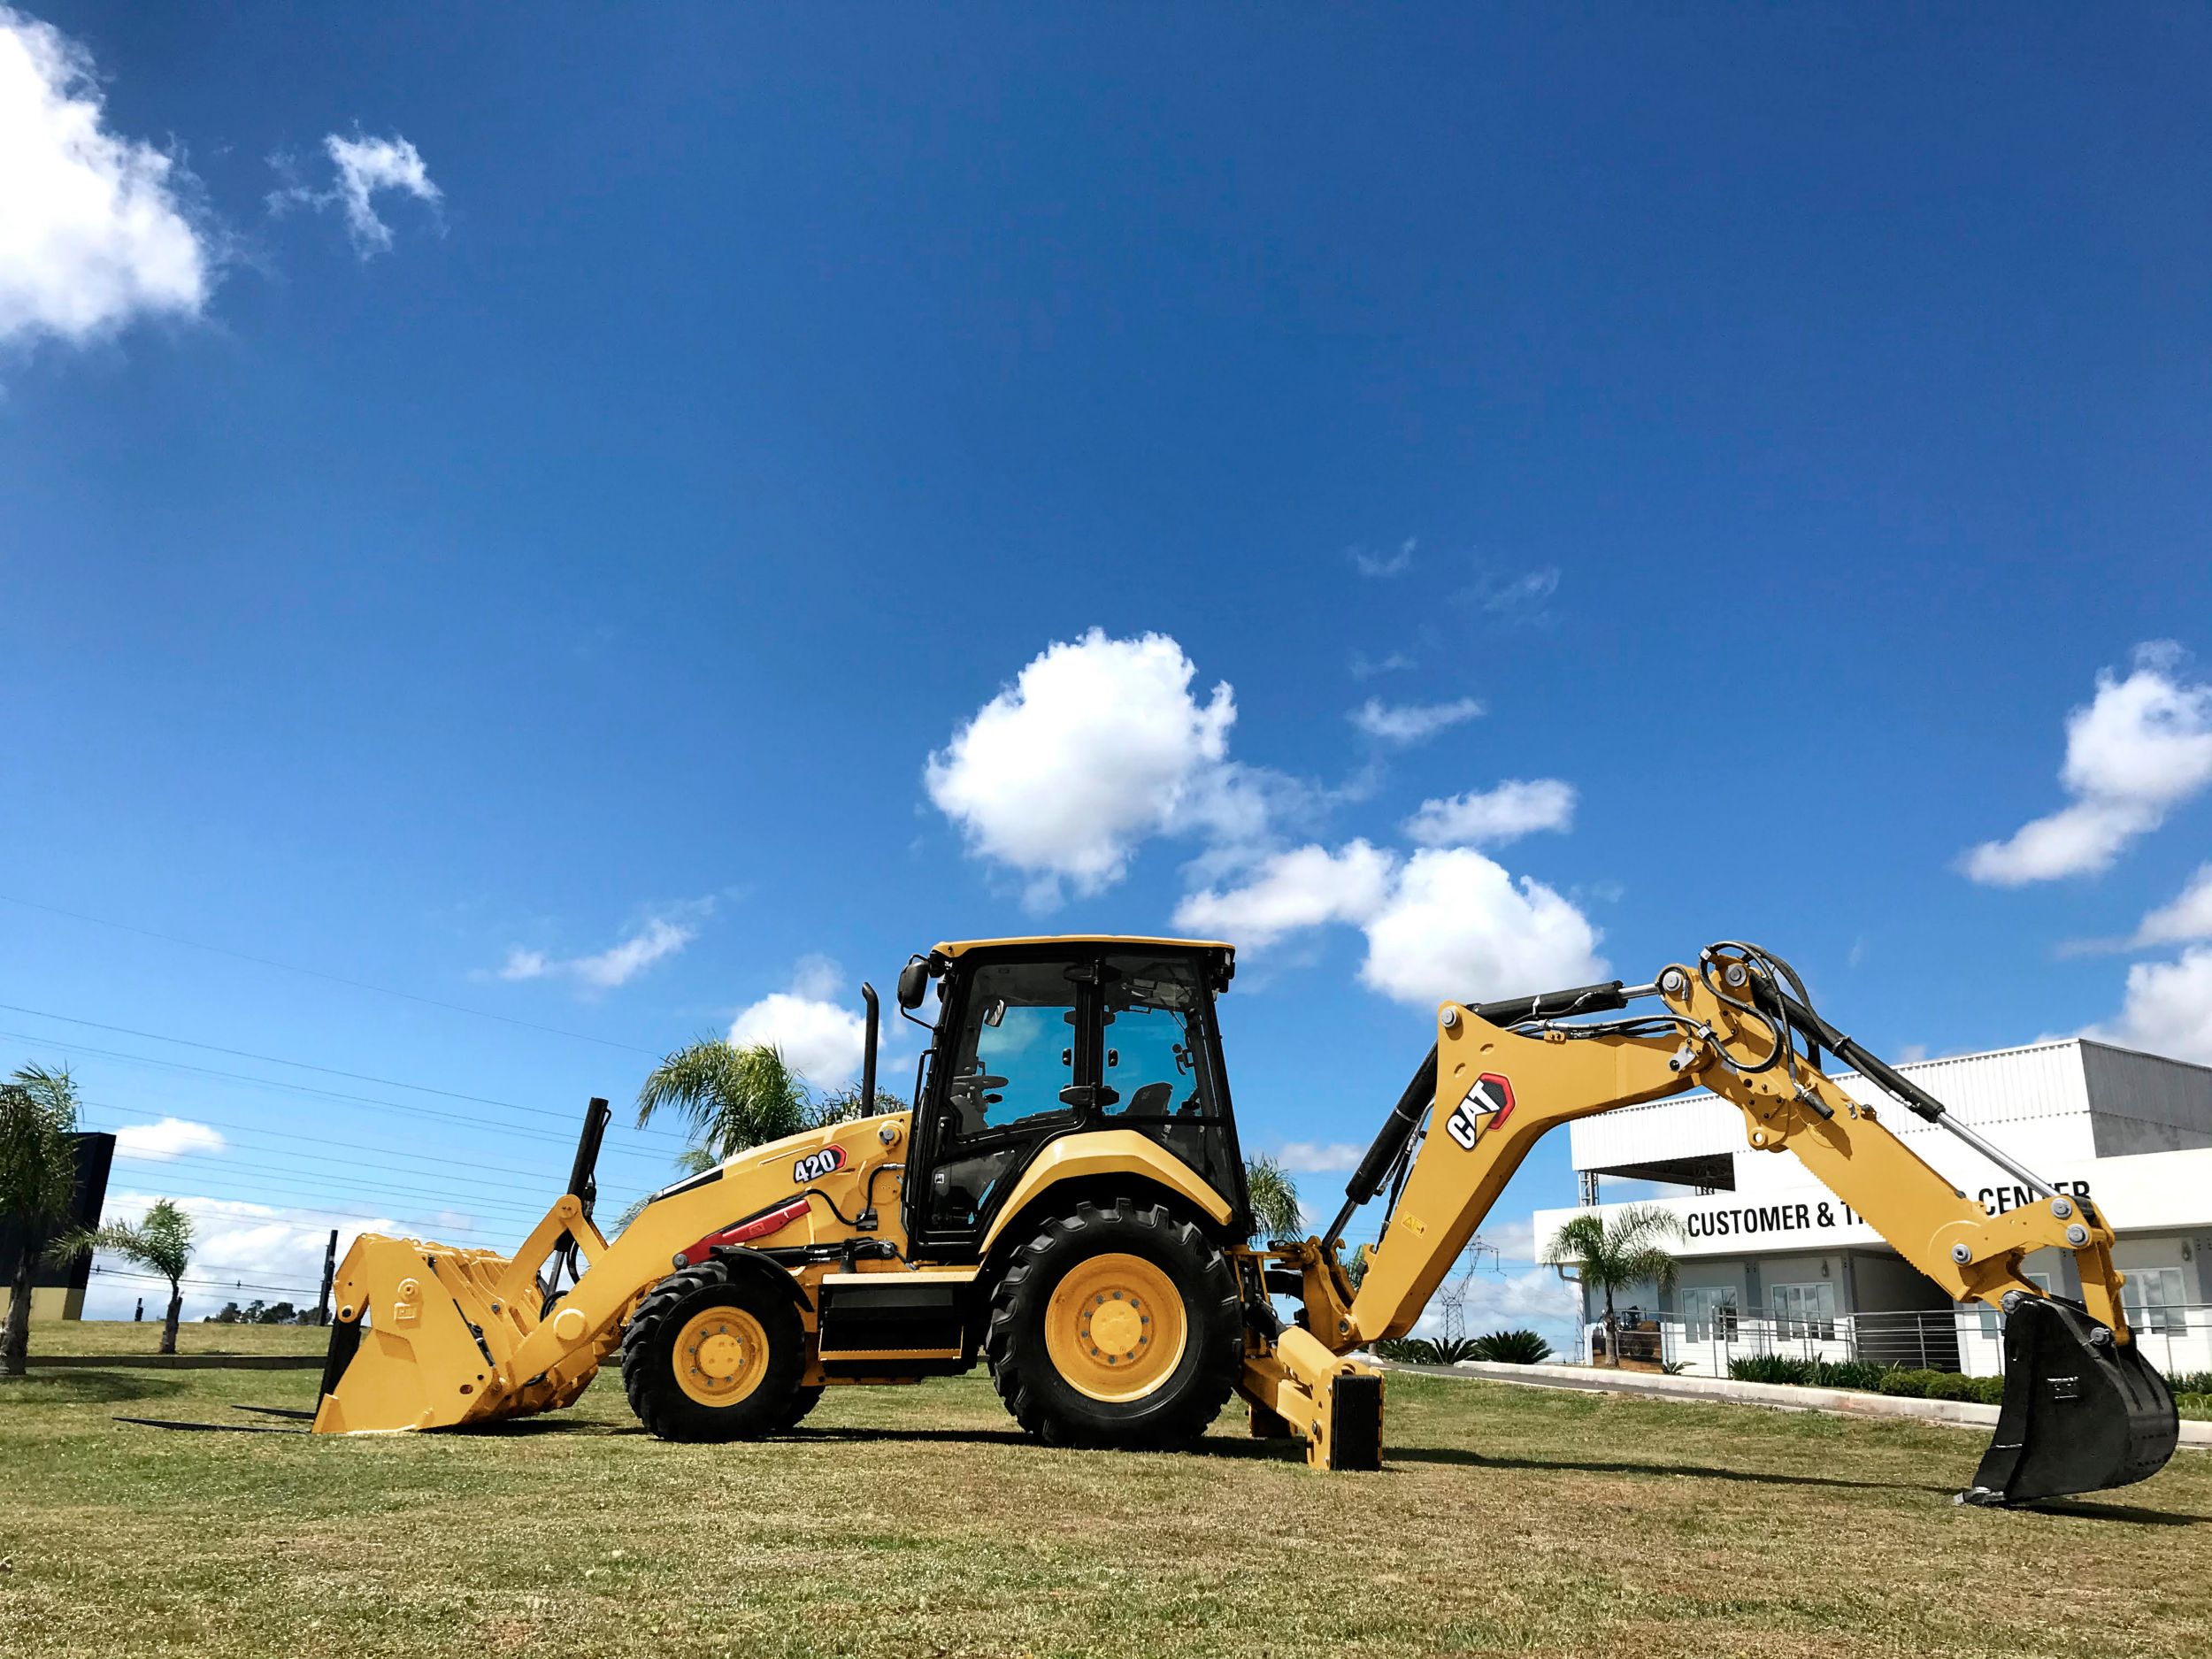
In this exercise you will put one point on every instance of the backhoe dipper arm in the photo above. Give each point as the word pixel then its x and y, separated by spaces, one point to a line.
pixel 1497 1090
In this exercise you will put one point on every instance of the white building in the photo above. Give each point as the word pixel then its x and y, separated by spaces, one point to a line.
pixel 1772 1262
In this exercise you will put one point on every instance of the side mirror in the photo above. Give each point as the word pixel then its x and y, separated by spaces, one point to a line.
pixel 913 983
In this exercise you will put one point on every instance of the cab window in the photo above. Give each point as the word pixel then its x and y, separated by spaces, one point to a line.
pixel 1015 1050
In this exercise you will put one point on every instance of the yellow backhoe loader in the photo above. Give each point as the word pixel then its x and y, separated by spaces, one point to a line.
pixel 1065 1201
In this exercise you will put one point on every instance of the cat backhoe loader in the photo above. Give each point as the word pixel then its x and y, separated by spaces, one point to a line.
pixel 1065 1203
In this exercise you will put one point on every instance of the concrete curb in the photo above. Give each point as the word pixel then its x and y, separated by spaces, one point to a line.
pixel 1728 1391
pixel 176 1362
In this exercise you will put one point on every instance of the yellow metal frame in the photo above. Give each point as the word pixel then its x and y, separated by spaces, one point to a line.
pixel 1122 1152
pixel 1557 1077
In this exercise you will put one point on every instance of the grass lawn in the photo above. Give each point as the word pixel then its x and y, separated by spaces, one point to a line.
pixel 125 1336
pixel 915 1522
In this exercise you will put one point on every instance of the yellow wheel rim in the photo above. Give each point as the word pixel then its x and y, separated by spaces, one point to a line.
pixel 721 1356
pixel 1114 1327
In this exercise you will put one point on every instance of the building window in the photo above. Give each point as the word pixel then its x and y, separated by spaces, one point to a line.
pixel 1708 1314
pixel 2153 1298
pixel 1805 1310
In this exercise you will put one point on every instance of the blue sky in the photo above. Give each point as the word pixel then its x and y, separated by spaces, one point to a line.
pixel 627 526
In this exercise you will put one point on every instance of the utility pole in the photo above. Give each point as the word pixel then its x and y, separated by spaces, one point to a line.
pixel 330 1273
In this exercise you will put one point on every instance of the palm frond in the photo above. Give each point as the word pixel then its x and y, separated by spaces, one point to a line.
pixel 1579 1239
pixel 38 1157
pixel 1275 1207
pixel 162 1241
pixel 731 1097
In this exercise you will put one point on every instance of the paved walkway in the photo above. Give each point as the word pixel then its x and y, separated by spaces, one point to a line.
pixel 1728 1391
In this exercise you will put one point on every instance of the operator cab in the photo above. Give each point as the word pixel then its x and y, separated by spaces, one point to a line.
pixel 1040 1038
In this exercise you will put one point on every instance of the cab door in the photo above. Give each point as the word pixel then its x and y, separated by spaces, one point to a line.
pixel 1016 1067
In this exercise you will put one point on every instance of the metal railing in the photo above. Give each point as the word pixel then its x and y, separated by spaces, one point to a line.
pixel 2177 1339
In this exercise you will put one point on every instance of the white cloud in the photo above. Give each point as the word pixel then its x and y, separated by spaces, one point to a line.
pixel 1458 926
pixel 278 1250
pixel 1307 1157
pixel 1302 888
pixel 171 1138
pixel 1513 1241
pixel 1449 923
pixel 1097 744
pixel 822 1039
pixel 1512 809
pixel 362 167
pixel 1412 722
pixel 616 965
pixel 2139 748
pixel 1385 563
pixel 2168 1007
pixel 2189 916
pixel 1538 1295
pixel 1366 667
pixel 1522 596
pixel 94 228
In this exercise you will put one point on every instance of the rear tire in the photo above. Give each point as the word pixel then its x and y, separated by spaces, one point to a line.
pixel 802 1401
pixel 712 1355
pixel 1115 1327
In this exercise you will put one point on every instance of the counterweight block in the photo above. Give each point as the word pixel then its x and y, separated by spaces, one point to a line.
pixel 2082 1411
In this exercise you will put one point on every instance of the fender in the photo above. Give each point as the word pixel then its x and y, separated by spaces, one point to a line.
pixel 1106 1152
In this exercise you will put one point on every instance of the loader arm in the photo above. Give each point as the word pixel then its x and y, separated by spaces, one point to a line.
pixel 1738 1023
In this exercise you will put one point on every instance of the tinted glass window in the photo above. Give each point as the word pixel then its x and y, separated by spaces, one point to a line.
pixel 1016 1051
pixel 1155 1050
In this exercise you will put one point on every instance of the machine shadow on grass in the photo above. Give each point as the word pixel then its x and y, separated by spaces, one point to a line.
pixel 85 1387
pixel 1692 1471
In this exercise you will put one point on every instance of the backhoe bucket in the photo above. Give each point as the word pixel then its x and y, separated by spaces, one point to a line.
pixel 2082 1411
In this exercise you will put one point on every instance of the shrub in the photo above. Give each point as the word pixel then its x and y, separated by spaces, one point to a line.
pixel 1512 1347
pixel 1771 1368
pixel 1414 1350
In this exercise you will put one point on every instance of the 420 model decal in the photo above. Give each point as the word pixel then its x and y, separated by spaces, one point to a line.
pixel 1490 1094
pixel 816 1164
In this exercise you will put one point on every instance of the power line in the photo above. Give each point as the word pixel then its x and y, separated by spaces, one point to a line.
pixel 318 973
pixel 133 1115
pixel 336 1095
pixel 347 1188
pixel 303 1066
pixel 323 1211
pixel 201 1284
pixel 508 1130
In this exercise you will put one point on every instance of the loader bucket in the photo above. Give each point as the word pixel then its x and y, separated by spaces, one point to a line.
pixel 426 1335
pixel 422 1340
pixel 2082 1411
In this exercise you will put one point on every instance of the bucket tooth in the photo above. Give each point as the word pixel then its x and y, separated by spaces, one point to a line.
pixel 2082 1411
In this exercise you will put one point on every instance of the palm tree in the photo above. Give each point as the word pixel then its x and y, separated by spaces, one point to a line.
pixel 1618 1252
pixel 38 1181
pixel 1275 1211
pixel 162 1241
pixel 732 1096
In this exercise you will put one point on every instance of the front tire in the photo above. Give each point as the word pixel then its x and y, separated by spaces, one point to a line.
pixel 1118 1327
pixel 714 1355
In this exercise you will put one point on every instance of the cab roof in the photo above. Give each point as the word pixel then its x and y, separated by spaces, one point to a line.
pixel 960 947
